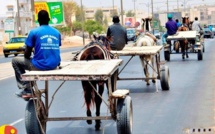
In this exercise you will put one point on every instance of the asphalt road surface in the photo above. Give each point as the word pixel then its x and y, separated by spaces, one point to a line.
pixel 189 105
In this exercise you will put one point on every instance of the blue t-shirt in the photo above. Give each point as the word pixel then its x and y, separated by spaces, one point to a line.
pixel 171 27
pixel 46 42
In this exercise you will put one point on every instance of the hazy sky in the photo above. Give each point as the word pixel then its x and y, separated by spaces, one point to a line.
pixel 127 4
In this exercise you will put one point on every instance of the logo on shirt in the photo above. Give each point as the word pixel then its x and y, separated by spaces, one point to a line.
pixel 7 129
pixel 49 40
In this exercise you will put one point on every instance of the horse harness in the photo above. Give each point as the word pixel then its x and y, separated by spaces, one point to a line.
pixel 107 54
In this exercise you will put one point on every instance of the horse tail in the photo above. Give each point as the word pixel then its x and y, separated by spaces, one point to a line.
pixel 89 93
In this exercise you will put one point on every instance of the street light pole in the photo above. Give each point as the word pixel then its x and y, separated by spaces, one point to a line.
pixel 18 19
pixel 167 4
pixel 82 24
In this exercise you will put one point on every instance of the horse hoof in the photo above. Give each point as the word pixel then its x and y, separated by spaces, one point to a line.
pixel 153 81
pixel 97 126
pixel 183 57
pixel 89 122
pixel 187 56
pixel 147 83
pixel 89 114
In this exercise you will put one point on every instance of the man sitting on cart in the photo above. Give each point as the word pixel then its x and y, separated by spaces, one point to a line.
pixel 46 42
pixel 171 27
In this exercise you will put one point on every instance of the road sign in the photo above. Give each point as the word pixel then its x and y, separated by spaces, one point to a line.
pixel 155 24
pixel 9 25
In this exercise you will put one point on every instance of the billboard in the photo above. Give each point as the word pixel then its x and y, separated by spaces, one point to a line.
pixel 55 10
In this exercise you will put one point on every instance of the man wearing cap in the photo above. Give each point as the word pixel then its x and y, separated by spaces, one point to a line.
pixel 118 34
pixel 171 27
pixel 46 42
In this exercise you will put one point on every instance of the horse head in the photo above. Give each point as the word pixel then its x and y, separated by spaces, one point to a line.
pixel 103 41
pixel 146 24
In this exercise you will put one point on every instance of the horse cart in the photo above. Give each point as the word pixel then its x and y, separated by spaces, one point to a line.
pixel 119 102
pixel 184 42
pixel 145 52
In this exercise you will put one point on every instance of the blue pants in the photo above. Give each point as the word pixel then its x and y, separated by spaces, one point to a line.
pixel 164 36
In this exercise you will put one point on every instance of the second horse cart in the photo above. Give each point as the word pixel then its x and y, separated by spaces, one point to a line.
pixel 195 44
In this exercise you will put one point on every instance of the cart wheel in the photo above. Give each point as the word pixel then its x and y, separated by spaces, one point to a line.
pixel 31 122
pixel 200 55
pixel 164 77
pixel 124 116
pixel 167 55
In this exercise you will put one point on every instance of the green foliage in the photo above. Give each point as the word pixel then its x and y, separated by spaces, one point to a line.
pixel 99 16
pixel 64 30
pixel 78 14
pixel 69 8
pixel 93 26
pixel 76 26
pixel 130 13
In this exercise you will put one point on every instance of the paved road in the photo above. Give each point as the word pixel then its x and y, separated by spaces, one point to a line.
pixel 189 105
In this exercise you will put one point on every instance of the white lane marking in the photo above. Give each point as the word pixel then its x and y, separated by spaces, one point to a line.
pixel 15 122
pixel 6 77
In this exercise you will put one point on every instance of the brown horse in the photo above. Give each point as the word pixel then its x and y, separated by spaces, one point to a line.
pixel 184 43
pixel 95 50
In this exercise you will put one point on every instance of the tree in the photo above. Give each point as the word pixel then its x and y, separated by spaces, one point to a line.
pixel 99 16
pixel 76 26
pixel 78 14
pixel 69 8
pixel 105 25
pixel 130 14
pixel 93 26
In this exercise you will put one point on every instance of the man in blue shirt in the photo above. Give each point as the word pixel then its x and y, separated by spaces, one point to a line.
pixel 46 42
pixel 171 27
pixel 178 23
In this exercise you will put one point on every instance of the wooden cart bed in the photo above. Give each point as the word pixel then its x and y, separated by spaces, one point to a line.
pixel 77 70
pixel 181 35
pixel 134 50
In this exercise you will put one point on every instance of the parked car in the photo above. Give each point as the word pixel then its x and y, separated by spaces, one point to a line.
pixel 16 45
pixel 208 33
pixel 131 34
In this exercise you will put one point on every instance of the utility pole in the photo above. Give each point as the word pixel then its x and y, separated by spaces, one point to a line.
pixel 82 24
pixel 134 11
pixel 33 13
pixel 18 19
pixel 122 12
pixel 177 6
pixel 152 16
pixel 167 3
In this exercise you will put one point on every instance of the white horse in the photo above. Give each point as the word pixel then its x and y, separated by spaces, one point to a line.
pixel 145 40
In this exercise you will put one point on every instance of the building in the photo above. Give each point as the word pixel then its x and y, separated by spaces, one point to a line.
pixel 107 11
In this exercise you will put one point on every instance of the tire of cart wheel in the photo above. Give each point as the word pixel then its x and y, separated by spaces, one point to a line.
pixel 164 74
pixel 200 55
pixel 31 123
pixel 124 116
pixel 167 55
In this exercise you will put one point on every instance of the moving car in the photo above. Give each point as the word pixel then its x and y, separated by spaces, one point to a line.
pixel 16 45
pixel 131 34
pixel 208 33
